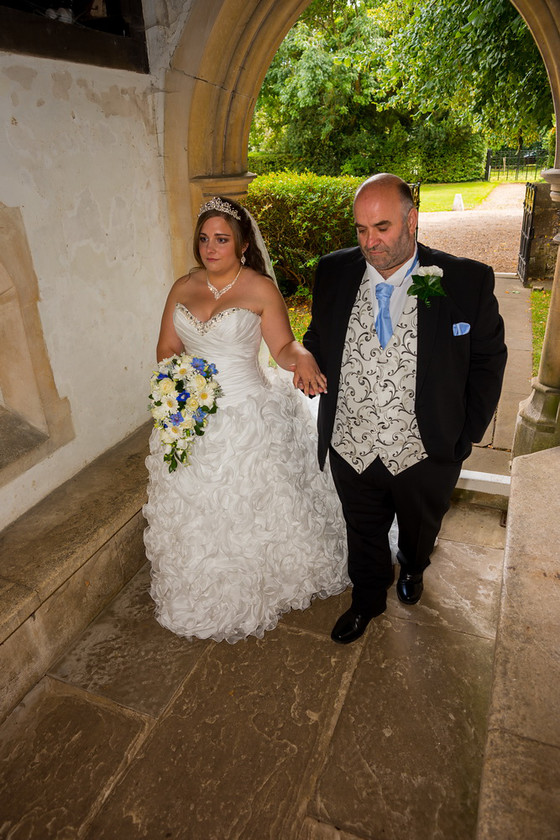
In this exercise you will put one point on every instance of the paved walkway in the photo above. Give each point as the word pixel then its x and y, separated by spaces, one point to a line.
pixel 135 733
pixel 490 233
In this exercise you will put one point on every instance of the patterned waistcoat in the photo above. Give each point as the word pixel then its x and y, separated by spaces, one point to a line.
pixel 375 408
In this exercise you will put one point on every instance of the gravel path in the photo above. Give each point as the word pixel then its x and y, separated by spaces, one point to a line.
pixel 490 233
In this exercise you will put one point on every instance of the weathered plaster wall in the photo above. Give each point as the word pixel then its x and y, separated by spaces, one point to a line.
pixel 80 157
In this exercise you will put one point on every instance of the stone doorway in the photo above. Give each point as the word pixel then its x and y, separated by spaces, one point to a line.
pixel 212 86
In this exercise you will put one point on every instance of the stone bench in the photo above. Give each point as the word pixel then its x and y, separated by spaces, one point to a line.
pixel 65 559
pixel 520 789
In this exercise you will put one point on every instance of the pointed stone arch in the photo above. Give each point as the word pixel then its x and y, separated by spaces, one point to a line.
pixel 212 85
pixel 543 19
pixel 211 89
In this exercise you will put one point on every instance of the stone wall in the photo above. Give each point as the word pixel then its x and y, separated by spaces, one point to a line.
pixel 543 249
pixel 81 163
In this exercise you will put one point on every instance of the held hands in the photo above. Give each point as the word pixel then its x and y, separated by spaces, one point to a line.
pixel 307 376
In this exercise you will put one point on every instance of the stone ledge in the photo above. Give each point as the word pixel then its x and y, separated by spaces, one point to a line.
pixel 65 559
pixel 520 795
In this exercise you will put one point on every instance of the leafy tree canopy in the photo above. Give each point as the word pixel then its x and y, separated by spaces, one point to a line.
pixel 474 57
pixel 353 76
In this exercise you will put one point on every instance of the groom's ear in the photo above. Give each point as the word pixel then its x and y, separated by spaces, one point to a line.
pixel 412 221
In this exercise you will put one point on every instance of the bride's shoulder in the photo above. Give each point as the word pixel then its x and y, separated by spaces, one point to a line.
pixel 262 284
pixel 185 283
pixel 194 276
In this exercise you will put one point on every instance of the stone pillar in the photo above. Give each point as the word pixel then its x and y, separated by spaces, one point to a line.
pixel 184 212
pixel 230 186
pixel 538 421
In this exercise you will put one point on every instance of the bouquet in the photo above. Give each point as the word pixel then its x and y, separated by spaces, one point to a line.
pixel 184 393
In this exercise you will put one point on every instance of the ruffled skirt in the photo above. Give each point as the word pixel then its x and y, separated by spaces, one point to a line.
pixel 250 528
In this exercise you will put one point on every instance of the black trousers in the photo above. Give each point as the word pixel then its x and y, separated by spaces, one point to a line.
pixel 419 497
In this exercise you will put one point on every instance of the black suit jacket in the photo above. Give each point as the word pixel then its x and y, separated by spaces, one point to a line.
pixel 459 378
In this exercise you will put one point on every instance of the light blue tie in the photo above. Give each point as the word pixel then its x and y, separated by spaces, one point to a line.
pixel 383 325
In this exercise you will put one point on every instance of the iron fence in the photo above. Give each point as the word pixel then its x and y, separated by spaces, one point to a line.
pixel 515 164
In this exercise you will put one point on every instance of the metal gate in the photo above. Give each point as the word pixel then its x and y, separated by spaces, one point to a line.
pixel 527 232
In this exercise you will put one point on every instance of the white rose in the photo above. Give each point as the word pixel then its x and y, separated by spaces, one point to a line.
pixel 429 271
pixel 166 386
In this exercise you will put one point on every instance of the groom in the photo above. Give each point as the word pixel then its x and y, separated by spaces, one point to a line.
pixel 412 345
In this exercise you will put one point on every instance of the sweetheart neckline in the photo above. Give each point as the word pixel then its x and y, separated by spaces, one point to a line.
pixel 216 314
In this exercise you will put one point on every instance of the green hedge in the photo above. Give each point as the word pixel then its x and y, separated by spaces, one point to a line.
pixel 430 152
pixel 302 216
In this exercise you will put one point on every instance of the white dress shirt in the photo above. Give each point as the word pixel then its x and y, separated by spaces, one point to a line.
pixel 401 280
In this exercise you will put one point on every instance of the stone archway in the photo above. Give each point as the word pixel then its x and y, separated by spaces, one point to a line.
pixel 211 89
pixel 212 85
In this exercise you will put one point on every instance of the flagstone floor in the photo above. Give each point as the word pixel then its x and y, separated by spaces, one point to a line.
pixel 136 733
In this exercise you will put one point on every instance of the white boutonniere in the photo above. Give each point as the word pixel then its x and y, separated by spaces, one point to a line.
pixel 426 283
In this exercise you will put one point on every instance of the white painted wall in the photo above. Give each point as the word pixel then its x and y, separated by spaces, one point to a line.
pixel 80 155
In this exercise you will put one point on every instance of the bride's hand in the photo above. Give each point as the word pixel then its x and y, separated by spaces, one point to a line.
pixel 307 376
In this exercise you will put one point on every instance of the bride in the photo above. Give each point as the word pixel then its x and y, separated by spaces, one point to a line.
pixel 250 528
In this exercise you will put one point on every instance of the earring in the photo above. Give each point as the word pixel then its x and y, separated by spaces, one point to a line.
pixel 243 259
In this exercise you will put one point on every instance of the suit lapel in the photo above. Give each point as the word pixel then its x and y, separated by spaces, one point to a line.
pixel 428 320
pixel 347 291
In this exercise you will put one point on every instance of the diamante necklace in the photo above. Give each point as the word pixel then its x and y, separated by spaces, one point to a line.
pixel 221 292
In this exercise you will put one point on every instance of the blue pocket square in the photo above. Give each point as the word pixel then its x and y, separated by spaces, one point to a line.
pixel 461 328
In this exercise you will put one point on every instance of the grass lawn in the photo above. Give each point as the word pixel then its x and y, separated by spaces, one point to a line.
pixel 440 196
pixel 540 302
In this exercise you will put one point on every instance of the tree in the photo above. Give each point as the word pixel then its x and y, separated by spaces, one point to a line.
pixel 466 57
pixel 359 85
pixel 319 91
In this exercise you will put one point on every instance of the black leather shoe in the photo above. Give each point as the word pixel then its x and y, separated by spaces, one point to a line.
pixel 350 626
pixel 409 587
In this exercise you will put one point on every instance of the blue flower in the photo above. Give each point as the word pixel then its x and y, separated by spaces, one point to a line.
pixel 163 376
pixel 212 369
pixel 198 365
pixel 176 419
pixel 183 396
pixel 199 415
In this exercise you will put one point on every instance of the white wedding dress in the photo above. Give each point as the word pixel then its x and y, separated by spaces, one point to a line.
pixel 250 528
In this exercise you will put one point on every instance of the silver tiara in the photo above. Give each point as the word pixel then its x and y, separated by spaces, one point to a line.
pixel 222 207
